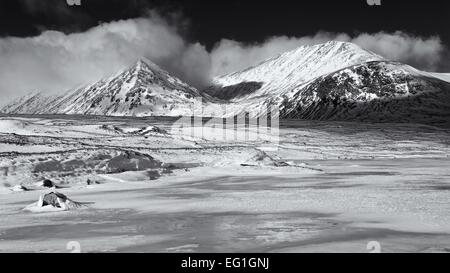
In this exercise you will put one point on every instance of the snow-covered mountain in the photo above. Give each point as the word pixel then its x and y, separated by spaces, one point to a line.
pixel 142 89
pixel 287 70
pixel 336 81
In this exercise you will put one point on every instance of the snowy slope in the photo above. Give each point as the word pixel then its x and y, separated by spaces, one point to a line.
pixel 142 89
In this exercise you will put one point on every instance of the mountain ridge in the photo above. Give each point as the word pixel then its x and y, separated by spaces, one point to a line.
pixel 141 89
pixel 334 81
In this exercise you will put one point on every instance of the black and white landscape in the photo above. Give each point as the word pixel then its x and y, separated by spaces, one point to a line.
pixel 360 152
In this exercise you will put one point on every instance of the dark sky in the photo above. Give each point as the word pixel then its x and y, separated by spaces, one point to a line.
pixel 208 21
pixel 196 40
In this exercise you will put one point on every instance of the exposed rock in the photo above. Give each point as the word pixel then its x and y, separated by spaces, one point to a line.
pixel 48 183
pixel 153 174
pixel 131 161
pixel 58 200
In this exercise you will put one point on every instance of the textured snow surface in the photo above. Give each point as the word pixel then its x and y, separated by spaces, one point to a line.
pixel 330 186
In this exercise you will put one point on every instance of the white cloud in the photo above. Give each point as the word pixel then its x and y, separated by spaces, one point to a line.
pixel 55 62
pixel 425 53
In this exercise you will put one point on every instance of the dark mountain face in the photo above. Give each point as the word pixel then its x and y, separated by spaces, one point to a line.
pixel 235 91
pixel 374 91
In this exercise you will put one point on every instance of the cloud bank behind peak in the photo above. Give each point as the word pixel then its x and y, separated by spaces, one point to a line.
pixel 424 53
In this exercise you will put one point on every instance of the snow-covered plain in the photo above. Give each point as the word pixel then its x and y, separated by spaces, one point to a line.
pixel 327 187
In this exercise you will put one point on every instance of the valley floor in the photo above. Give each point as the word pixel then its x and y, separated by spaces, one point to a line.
pixel 324 187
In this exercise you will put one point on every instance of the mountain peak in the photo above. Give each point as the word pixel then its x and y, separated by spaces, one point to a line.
pixel 349 46
pixel 339 43
pixel 343 45
pixel 333 48
pixel 146 64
